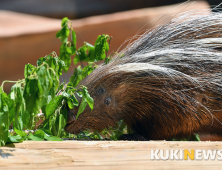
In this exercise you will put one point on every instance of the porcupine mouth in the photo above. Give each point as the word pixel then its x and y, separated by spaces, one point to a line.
pixel 69 126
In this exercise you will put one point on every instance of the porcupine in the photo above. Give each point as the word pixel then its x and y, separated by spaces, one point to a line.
pixel 167 84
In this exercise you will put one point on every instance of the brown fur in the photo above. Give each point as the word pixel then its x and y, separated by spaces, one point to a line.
pixel 145 106
pixel 177 99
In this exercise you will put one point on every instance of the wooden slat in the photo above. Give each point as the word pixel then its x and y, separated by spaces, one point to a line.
pixel 100 155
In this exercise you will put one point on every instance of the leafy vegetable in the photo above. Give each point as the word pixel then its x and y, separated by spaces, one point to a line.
pixel 41 90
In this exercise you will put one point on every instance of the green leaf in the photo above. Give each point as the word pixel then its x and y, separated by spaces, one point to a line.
pixel 61 67
pixel 40 61
pixel 48 135
pixel 54 62
pixel 53 124
pixel 101 46
pixel 64 21
pixel 4 118
pixel 35 138
pixel 79 93
pixel 69 84
pixel 76 59
pixel 58 34
pixel 11 110
pixel 65 94
pixel 16 106
pixel 14 139
pixel 88 69
pixel 89 99
pixel 53 105
pixel 68 50
pixel 81 107
pixel 18 123
pixel 39 134
pixel 61 87
pixel 74 38
pixel 98 135
pixel 29 69
pixel 62 120
pixel 20 132
pixel 82 53
pixel 61 124
pixel 64 113
pixel 65 55
pixel 49 82
pixel 47 132
pixel 64 34
pixel 54 138
pixel 76 77
pixel 31 95
pixel 106 46
pixel 196 137
pixel 67 31
pixel 70 103
pixel 73 48
pixel 45 78
pixel 57 122
pixel 91 53
pixel 75 101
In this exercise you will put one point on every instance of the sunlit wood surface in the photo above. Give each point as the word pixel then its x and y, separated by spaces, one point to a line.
pixel 100 155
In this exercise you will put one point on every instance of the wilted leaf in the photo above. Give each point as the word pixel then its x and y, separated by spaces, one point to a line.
pixel 89 99
pixel 53 105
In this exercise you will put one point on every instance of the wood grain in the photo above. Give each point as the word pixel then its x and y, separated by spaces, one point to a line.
pixel 100 155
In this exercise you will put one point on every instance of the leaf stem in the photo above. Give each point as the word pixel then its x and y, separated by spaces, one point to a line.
pixel 8 81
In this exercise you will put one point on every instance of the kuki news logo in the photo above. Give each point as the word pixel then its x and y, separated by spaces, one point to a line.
pixel 185 154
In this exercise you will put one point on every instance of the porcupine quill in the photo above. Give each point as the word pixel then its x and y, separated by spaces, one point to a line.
pixel 167 84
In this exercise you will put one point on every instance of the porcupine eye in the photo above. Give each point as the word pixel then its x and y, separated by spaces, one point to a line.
pixel 107 101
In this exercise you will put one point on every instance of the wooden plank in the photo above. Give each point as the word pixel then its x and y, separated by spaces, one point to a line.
pixel 100 155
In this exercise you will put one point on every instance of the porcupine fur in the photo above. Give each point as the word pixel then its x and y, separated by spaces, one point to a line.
pixel 167 84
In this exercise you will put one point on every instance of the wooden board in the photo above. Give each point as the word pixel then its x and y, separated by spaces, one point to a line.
pixel 100 155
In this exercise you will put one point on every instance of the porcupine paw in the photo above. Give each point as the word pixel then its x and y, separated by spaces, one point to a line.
pixel 132 137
